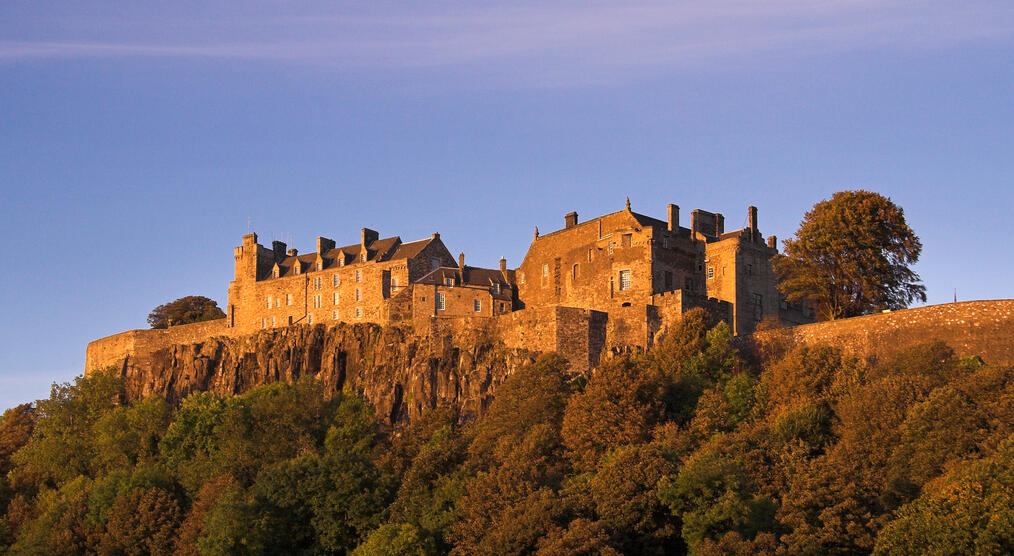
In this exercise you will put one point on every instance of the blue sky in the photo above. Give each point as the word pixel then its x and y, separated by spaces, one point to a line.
pixel 138 140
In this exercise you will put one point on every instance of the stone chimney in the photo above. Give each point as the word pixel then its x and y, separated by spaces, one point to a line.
pixel 752 212
pixel 368 237
pixel 719 224
pixel 570 219
pixel 461 261
pixel 278 248
pixel 773 242
pixel 293 252
pixel 674 217
pixel 503 264
pixel 324 245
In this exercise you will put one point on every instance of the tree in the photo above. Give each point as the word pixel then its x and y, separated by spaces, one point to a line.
pixel 185 310
pixel 851 256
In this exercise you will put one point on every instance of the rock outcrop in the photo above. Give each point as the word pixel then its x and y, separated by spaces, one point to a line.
pixel 401 373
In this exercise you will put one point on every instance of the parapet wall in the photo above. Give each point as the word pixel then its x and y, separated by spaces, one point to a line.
pixel 112 350
pixel 971 328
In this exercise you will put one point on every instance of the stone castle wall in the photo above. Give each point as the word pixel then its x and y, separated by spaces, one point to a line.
pixel 972 328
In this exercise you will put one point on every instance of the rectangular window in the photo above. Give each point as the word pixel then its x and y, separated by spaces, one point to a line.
pixel 264 323
pixel 626 240
pixel 317 283
pixel 316 301
pixel 496 288
pixel 273 321
pixel 610 248
pixel 320 265
pixel 545 270
pixel 449 282
pixel 359 312
pixel 334 314
pixel 394 283
pixel 476 305
pixel 711 272
pixel 624 280
pixel 335 298
pixel 441 305
pixel 278 302
pixel 359 294
pixel 359 276
pixel 521 278
pixel 589 255
pixel 363 257
pixel 503 306
pixel 269 302
pixel 288 299
pixel 334 281
pixel 341 260
pixel 749 270
pixel 665 243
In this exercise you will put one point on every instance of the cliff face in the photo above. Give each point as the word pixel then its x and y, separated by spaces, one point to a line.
pixel 399 372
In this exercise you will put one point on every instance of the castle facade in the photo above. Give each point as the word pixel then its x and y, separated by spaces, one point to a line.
pixel 617 265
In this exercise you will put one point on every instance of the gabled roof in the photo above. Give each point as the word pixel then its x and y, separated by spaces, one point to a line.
pixel 410 249
pixel 473 276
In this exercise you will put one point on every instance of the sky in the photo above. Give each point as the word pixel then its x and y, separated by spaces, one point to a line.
pixel 139 141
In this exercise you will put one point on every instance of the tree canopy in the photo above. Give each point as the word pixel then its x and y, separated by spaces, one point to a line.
pixel 185 310
pixel 851 256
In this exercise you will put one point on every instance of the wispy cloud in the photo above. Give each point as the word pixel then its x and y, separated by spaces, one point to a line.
pixel 579 39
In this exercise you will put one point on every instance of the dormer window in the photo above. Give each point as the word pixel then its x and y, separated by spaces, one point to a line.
pixel 448 282
pixel 320 265
pixel 295 268
pixel 363 256
pixel 341 260
pixel 496 289
pixel 276 272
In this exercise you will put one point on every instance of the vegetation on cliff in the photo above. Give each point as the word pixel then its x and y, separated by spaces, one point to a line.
pixel 692 447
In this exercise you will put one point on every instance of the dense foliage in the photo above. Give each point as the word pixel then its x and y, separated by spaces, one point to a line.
pixel 851 256
pixel 690 448
pixel 185 310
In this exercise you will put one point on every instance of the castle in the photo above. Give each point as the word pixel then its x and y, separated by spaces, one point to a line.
pixel 625 267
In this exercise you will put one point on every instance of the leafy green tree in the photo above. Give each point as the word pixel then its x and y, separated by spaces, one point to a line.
pixel 185 310
pixel 582 537
pixel 16 426
pixel 62 445
pixel 851 256
pixel 190 444
pixel 620 404
pixel 62 526
pixel 401 539
pixel 971 513
pixel 130 434
pixel 142 522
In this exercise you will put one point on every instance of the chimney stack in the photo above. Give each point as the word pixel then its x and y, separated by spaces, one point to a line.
pixel 773 242
pixel 461 260
pixel 324 245
pixel 719 224
pixel 278 248
pixel 293 252
pixel 503 264
pixel 752 211
pixel 368 237
pixel 570 219
pixel 674 217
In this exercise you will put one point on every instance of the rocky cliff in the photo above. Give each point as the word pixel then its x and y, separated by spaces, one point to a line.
pixel 401 373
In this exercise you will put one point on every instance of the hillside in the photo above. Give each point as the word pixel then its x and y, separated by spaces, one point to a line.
pixel 693 447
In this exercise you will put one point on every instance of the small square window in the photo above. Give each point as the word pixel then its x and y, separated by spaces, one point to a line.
pixel 711 272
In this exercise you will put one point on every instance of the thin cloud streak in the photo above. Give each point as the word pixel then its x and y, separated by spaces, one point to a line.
pixel 576 41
